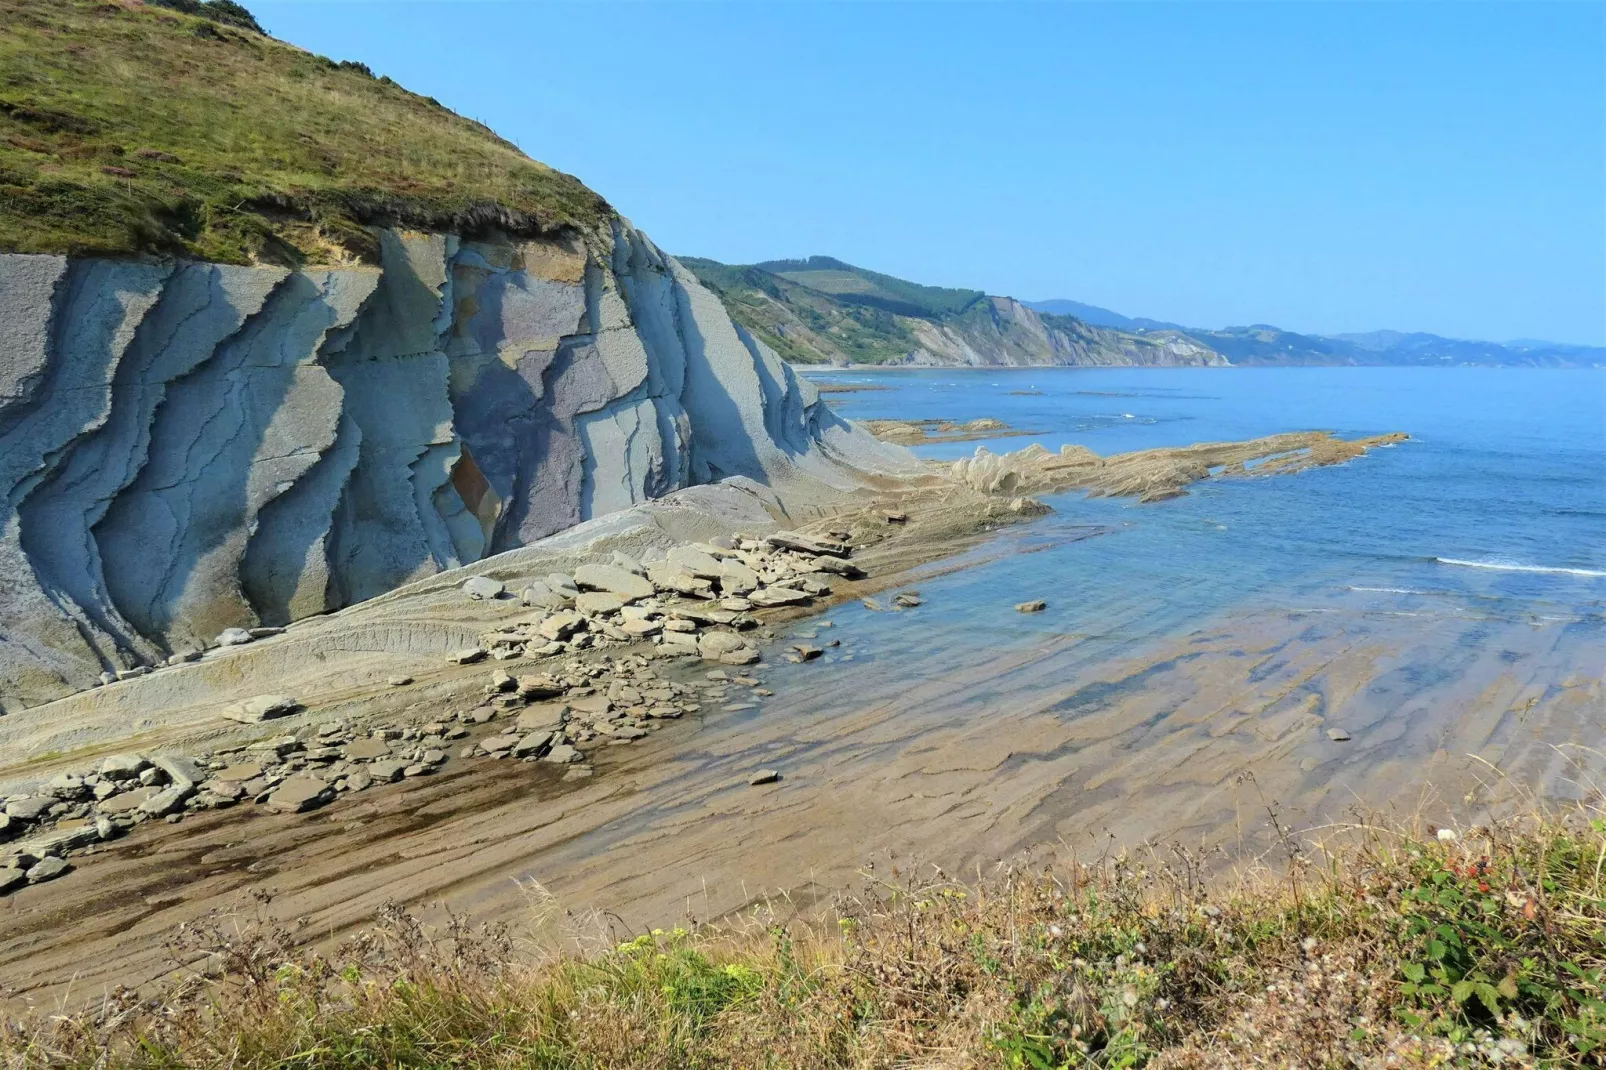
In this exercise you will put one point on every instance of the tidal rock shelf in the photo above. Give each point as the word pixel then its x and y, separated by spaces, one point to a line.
pixel 690 604
pixel 187 448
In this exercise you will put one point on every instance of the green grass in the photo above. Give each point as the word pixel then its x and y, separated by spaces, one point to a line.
pixel 128 128
pixel 1393 948
pixel 860 286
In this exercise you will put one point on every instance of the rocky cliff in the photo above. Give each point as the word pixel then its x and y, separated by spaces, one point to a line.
pixel 822 310
pixel 187 447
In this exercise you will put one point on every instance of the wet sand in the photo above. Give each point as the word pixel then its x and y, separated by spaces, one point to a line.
pixel 965 758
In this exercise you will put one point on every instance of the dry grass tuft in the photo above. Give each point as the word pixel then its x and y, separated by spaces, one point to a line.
pixel 1483 948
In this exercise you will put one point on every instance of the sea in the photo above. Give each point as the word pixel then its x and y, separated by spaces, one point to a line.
pixel 1440 600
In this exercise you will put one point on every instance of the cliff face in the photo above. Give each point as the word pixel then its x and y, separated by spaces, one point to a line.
pixel 1003 331
pixel 822 310
pixel 187 447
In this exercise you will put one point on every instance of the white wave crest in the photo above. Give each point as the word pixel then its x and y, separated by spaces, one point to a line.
pixel 1508 566
pixel 1387 590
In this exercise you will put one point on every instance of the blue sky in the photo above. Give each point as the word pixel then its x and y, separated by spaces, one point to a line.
pixel 1436 167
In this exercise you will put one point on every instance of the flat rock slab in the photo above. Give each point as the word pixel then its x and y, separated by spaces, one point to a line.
pixel 261 708
pixel 240 773
pixel 127 802
pixel 763 776
pixel 1036 605
pixel 299 794
pixel 365 750
pixel 387 769
pixel 599 603
pixel 808 544
pixel 613 580
pixel 31 808
pixel 483 587
pixel 547 715
pixel 777 596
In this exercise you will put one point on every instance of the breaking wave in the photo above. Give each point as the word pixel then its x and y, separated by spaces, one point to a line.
pixel 1507 566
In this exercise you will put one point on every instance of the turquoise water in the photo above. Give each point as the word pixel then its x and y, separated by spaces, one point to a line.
pixel 1494 511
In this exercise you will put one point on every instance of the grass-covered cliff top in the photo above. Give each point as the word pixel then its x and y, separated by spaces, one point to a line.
pixel 129 127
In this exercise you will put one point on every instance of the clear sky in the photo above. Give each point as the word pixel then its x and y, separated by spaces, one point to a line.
pixel 1439 167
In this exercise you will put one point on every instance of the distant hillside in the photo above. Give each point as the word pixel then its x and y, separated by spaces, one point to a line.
pixel 185 131
pixel 1263 344
pixel 822 310
pixel 1099 317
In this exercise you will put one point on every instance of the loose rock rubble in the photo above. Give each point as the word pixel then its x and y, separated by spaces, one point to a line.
pixel 693 602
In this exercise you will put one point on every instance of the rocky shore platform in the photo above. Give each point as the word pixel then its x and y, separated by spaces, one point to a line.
pixel 522 719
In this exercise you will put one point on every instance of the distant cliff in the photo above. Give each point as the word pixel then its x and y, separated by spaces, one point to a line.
pixel 822 310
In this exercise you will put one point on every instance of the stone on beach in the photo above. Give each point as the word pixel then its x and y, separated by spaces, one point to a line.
pixel 233 637
pixel 763 776
pixel 1037 605
pixel 298 794
pixel 261 708
pixel 768 597
pixel 483 587
pixel 614 580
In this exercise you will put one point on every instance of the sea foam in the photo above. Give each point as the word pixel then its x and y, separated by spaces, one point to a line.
pixel 1508 566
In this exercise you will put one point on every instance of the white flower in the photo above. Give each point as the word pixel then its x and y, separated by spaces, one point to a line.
pixel 1447 835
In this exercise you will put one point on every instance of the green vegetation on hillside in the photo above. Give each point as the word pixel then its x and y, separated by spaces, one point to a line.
pixel 1482 949
pixel 859 286
pixel 175 128
pixel 802 324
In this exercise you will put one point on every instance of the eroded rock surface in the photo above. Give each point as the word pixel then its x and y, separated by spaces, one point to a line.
pixel 191 448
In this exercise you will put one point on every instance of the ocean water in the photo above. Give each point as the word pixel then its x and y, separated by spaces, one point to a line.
pixel 1442 598
pixel 1496 506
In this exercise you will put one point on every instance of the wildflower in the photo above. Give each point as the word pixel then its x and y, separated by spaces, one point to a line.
pixel 1446 835
pixel 1309 943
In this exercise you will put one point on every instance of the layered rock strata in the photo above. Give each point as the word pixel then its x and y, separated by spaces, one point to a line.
pixel 187 448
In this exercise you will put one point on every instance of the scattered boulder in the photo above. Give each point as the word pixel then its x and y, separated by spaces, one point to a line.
pixel 387 770
pixel 483 587
pixel 908 600
pixel 299 794
pixel 613 580
pixel 367 750
pixel 713 644
pixel 562 585
pixel 12 878
pixel 777 596
pixel 261 708
pixel 562 624
pixel 1338 735
pixel 1036 605
pixel 808 544
pixel 763 776
pixel 48 869
pixel 467 656
pixel 805 652
pixel 29 807
pixel 697 562
pixel 599 603
pixel 232 637
pixel 539 595
pixel 536 744
pixel 399 681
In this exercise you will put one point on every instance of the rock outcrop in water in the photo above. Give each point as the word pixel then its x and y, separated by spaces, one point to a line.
pixel 191 447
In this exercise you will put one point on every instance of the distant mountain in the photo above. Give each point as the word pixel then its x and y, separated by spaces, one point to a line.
pixel 1099 317
pixel 1264 344
pixel 822 310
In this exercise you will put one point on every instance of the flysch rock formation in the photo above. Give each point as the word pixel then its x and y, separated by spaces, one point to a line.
pixel 1003 331
pixel 189 447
